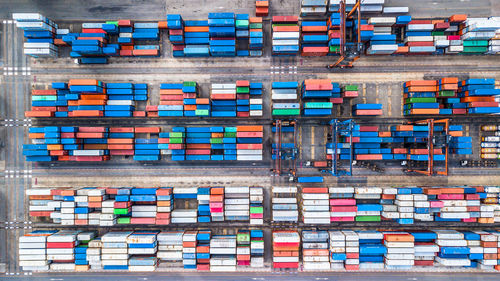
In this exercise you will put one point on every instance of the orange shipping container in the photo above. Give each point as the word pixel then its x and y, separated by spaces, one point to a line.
pixel 147 129
pixel 249 128
pixel 163 24
pixel 422 83
pixel 196 29
pixel 87 113
pixel 38 113
pixel 120 146
pixel 424 111
pixel 44 92
pixel 422 89
pixel 449 80
pixel 55 147
pixel 92 82
pixel 293 28
pixel 255 20
pixel 262 3
pixel 36 135
pixel 217 190
pixel 120 141
pixel 171 92
pixel 91 102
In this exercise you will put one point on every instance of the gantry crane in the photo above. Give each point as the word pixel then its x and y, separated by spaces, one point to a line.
pixel 349 51
pixel 433 141
pixel 338 129
pixel 283 151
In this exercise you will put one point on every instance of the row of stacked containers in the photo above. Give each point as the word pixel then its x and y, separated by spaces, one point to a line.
pixel 318 205
pixel 229 34
pixel 242 143
pixel 146 206
pixel 70 250
pixel 449 96
pixel 75 250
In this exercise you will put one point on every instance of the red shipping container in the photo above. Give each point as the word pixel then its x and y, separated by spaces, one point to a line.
pixel 198 152
pixel 242 83
pixel 285 265
pixel 242 114
pixel 91 129
pixel 125 53
pixel 368 157
pixel 40 214
pixel 38 114
pixel 147 129
pixel 336 100
pixel 44 92
pixel 285 18
pixel 124 23
pixel 93 30
pixel 57 245
pixel 368 128
pixel 142 220
pixel 139 113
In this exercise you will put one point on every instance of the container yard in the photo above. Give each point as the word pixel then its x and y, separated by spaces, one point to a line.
pixel 257 140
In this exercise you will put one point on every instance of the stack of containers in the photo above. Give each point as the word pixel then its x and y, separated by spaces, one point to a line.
pixel 256 205
pixel 61 249
pixel 243 248
pixel 217 204
pixel 122 209
pixel 337 250
pixel 315 254
pixel 223 97
pixel 420 97
pixel 256 107
pixel 342 204
pixel 461 145
pixel 285 204
pixel 237 203
pixel 203 250
pixel 176 34
pixel 419 37
pixel 189 249
pixel 366 30
pixel 477 253
pixel 370 208
pixel 286 245
pixel 261 8
pixel 170 247
pixel 222 31
pixel 223 253
pixel 400 250
pixel 33 250
pixel 453 35
pixel 490 144
pixel 406 207
pixel 146 31
pixel 142 248
pixel 242 34
pixel 489 243
pixel 476 33
pixel 256 40
pixel 39 32
pixel 334 33
pixel 349 91
pixel 383 42
pixel 286 35
pixel 367 109
pixel 313 8
pixel 453 248
pixel 284 96
pixel 314 89
pixel 94 254
pixel 315 205
pixel 146 149
pixel 249 143
pixel 114 250
pixel 196 38
pixel 351 249
pixel 165 205
pixel 480 94
pixel 256 248
pixel 182 100
pixel 203 198
pixel 143 211
pixel 314 38
pixel 184 215
pixel 425 248
pixel 243 98
pixel 371 250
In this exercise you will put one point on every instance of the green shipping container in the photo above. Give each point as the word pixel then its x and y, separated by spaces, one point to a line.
pixel 229 135
pixel 112 22
pixel 189 84
pixel 318 105
pixel 121 211
pixel 243 237
pixel 368 218
pixel 123 220
pixel 284 111
pixel 350 87
pixel 241 23
pixel 201 112
pixel 334 49
pixel 216 140
pixel 176 140
pixel 446 93
pixel 437 33
pixel 416 100
pixel 176 134
pixel 255 26
pixel 256 210
pixel 242 90
pixel 476 43
pixel 475 50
